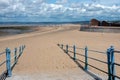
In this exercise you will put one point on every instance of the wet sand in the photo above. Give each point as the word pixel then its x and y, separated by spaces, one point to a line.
pixel 13 30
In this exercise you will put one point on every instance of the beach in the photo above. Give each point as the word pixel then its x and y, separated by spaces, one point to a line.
pixel 43 59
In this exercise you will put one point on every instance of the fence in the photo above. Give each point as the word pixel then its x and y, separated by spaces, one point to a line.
pixel 110 59
pixel 11 60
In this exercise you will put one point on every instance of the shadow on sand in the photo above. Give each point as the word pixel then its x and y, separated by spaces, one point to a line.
pixel 77 61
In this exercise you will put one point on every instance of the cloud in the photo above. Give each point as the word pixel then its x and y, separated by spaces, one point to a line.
pixel 4 3
pixel 61 1
pixel 39 10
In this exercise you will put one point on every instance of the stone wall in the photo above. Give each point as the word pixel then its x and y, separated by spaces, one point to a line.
pixel 100 29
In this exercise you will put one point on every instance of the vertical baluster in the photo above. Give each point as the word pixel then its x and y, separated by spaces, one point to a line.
pixel 86 58
pixel 8 62
pixel 62 46
pixel 112 62
pixel 109 64
pixel 67 49
pixel 74 50
pixel 24 47
pixel 19 51
pixel 15 53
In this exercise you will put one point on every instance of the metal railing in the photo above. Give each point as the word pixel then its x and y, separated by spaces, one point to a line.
pixel 110 59
pixel 11 60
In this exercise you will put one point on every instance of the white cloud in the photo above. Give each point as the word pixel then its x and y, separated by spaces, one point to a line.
pixel 38 8
pixel 4 1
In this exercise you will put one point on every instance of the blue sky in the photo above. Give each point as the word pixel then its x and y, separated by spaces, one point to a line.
pixel 58 10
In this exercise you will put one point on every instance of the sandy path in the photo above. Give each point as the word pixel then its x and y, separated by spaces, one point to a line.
pixel 43 59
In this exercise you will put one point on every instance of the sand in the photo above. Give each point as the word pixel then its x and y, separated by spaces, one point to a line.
pixel 44 60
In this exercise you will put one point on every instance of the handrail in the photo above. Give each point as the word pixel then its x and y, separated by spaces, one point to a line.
pixel 116 51
pixel 95 59
pixel 110 59
pixel 89 50
pixel 2 53
pixel 2 63
pixel 10 61
pixel 97 51
pixel 94 67
pixel 91 58
pixel 117 64
pixel 80 48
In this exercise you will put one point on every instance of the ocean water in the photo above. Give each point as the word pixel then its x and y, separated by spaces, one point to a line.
pixel 4 31
pixel 40 23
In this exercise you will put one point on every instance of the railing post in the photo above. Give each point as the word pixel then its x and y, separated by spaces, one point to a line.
pixel 74 50
pixel 67 49
pixel 112 62
pixel 24 46
pixel 86 58
pixel 109 64
pixel 8 62
pixel 19 51
pixel 15 53
pixel 62 46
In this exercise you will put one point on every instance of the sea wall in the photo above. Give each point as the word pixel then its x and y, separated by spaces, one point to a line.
pixel 101 29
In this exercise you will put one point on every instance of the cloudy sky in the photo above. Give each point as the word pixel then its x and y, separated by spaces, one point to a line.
pixel 58 10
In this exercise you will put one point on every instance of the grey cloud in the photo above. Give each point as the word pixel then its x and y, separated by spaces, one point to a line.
pixel 4 4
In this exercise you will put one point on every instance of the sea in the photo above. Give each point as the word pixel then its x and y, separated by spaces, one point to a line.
pixel 40 23
pixel 13 28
